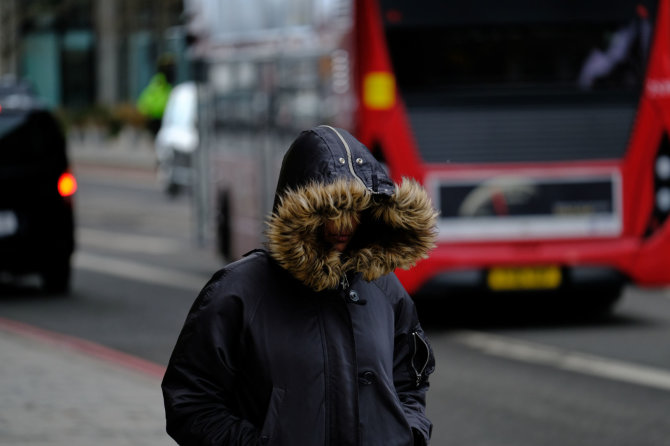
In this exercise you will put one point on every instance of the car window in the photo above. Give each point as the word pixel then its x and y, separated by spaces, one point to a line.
pixel 9 123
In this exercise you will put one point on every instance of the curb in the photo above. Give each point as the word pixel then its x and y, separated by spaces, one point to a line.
pixel 88 348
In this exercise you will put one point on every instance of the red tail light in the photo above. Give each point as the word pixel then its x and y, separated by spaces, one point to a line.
pixel 67 184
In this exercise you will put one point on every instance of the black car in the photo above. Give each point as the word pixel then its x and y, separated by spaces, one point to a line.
pixel 36 191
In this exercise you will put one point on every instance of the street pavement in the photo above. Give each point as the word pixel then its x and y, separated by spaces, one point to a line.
pixel 57 390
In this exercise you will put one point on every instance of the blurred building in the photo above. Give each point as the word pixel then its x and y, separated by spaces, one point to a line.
pixel 78 53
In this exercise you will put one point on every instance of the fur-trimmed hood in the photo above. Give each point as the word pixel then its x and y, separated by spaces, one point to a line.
pixel 329 175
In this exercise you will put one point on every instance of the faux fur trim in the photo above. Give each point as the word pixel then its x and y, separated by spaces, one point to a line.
pixel 394 232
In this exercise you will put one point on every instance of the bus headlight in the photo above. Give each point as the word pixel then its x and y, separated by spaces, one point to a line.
pixel 661 173
pixel 663 167
pixel 663 199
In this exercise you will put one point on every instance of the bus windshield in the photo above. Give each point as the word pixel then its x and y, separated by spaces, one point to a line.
pixel 519 80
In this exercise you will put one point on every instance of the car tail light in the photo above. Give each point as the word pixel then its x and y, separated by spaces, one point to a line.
pixel 67 184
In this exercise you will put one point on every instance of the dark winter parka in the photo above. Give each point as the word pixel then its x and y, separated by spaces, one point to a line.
pixel 303 345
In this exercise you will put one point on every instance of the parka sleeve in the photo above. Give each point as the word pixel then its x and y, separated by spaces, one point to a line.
pixel 412 363
pixel 198 386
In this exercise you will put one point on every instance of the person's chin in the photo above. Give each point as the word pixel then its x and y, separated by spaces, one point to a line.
pixel 340 246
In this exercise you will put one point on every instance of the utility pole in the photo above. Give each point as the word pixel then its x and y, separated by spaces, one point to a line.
pixel 8 37
pixel 106 14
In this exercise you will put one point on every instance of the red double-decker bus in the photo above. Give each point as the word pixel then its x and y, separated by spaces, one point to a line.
pixel 540 129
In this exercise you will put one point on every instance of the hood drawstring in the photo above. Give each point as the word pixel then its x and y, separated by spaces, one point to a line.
pixel 344 283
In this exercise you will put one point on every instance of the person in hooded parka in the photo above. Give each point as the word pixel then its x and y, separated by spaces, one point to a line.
pixel 313 341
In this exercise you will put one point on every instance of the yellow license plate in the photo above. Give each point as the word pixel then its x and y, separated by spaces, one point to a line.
pixel 524 278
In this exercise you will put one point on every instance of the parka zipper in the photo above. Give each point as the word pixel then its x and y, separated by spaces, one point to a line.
pixel 419 373
pixel 349 155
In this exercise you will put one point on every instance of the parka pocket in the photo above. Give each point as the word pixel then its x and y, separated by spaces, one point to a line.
pixel 269 429
pixel 422 361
